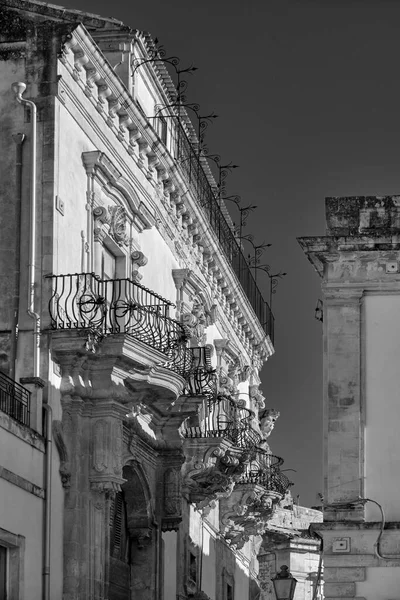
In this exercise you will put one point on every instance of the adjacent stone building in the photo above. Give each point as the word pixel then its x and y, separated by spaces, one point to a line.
pixel 289 541
pixel 358 261
pixel 134 457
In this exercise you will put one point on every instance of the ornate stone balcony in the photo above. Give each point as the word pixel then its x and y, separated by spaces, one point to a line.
pixel 218 440
pixel 194 365
pixel 99 308
pixel 252 503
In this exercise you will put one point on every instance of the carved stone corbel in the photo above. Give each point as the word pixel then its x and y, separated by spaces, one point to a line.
pixel 246 512
pixel 257 396
pixel 101 218
pixel 211 469
pixel 65 470
pixel 138 260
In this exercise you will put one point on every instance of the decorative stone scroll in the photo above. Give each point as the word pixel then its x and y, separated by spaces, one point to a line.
pixel 138 260
pixel 101 217
pixel 212 467
pixel 246 512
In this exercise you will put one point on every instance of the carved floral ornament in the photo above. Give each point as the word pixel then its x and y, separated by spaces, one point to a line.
pixel 112 222
pixel 196 323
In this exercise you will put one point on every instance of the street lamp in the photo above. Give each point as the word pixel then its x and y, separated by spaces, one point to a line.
pixel 284 584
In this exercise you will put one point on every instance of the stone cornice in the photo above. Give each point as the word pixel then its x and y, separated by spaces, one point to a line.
pixel 322 251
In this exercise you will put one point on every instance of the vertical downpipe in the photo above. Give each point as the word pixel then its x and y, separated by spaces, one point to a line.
pixel 19 140
pixel 19 88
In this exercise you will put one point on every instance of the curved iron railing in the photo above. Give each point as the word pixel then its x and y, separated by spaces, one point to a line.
pixel 194 365
pixel 221 416
pixel 84 301
pixel 263 469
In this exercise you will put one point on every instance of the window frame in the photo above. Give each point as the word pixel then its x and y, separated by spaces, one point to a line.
pixel 15 548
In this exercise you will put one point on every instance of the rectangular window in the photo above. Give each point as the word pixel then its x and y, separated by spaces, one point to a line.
pixel 3 573
pixel 162 129
pixel 193 568
pixel 108 264
pixel 229 592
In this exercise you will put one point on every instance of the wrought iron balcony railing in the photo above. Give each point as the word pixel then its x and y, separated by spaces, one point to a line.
pixel 222 417
pixel 190 162
pixel 194 365
pixel 84 301
pixel 14 400
pixel 264 469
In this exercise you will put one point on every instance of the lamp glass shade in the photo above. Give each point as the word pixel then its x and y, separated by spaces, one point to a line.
pixel 284 588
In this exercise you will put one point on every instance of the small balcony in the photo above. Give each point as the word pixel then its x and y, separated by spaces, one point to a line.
pixel 263 469
pixel 194 365
pixel 221 416
pixel 14 400
pixel 83 301
pixel 217 444
pixel 254 498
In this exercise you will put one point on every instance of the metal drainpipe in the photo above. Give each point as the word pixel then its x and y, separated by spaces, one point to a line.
pixel 18 89
pixel 19 140
pixel 47 508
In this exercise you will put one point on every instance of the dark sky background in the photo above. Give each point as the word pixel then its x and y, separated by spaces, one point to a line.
pixel 308 98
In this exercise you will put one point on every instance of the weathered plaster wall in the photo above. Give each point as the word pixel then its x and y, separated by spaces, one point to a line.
pixel 210 575
pixel 157 274
pixel 380 584
pixel 382 410
pixel 71 186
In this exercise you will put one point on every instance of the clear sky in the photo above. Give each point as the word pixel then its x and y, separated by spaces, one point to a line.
pixel 307 93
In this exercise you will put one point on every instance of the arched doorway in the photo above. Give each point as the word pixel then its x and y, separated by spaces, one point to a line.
pixel 120 563
pixel 133 557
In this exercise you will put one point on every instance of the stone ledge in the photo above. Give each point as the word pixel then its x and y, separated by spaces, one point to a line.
pixel 24 433
pixel 22 483
pixel 340 590
pixel 354 525
pixel 358 560
pixel 343 597
pixel 343 574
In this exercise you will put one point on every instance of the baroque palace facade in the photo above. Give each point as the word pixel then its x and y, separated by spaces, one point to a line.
pixel 134 453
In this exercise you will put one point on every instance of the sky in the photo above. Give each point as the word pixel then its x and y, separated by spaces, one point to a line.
pixel 307 97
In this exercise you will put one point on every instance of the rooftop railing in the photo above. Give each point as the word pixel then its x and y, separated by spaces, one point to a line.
pixel 191 164
pixel 14 400
pixel 113 306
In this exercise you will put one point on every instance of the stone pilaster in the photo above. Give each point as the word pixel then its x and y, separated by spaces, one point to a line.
pixel 343 426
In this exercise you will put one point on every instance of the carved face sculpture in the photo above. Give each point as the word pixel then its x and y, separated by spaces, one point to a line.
pixel 266 502
pixel 199 312
pixel 267 421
